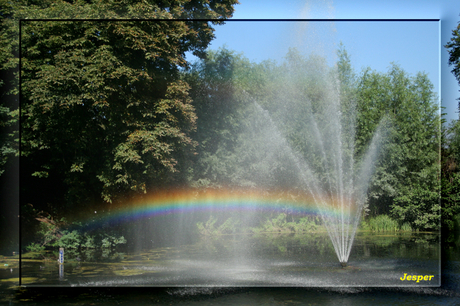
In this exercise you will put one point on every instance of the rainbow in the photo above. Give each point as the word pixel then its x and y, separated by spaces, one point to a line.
pixel 182 201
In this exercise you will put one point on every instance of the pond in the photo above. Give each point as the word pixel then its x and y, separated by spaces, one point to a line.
pixel 280 270
pixel 399 260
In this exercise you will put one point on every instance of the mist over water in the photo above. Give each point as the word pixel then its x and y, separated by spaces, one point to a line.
pixel 325 167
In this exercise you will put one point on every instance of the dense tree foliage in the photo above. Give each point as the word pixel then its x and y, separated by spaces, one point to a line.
pixel 103 108
pixel 450 150
pixel 453 47
pixel 407 180
pixel 101 104
pixel 253 147
pixel 214 92
pixel 9 59
pixel 450 177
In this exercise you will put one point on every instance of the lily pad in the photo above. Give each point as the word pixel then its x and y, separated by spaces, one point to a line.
pixel 24 280
pixel 128 272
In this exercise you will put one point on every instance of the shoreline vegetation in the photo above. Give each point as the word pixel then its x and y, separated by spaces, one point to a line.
pixel 76 240
pixel 53 235
pixel 303 225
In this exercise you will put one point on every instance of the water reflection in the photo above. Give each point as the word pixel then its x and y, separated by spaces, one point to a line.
pixel 258 260
pixel 447 294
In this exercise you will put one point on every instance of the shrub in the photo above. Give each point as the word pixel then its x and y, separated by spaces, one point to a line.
pixel 50 235
pixel 383 223
pixel 35 247
pixel 406 227
pixel 110 241
pixel 69 240
pixel 230 226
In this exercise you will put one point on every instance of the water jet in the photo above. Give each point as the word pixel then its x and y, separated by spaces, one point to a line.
pixel 328 169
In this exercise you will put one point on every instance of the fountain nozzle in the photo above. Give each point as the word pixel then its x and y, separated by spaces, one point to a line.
pixel 343 264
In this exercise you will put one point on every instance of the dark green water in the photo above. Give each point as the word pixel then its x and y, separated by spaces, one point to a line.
pixel 290 261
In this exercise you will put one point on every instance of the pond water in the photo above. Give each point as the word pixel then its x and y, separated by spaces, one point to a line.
pixel 241 260
pixel 230 270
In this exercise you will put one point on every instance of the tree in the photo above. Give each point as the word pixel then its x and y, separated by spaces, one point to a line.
pixel 450 174
pixel 97 108
pixel 406 183
pixel 224 87
pixel 450 150
pixel 9 127
pixel 214 94
pixel 453 47
pixel 104 110
pixel 234 137
pixel 8 93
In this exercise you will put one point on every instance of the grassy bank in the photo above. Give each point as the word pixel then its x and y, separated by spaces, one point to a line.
pixel 384 223
pixel 308 224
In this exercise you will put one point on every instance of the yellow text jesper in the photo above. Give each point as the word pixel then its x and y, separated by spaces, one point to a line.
pixel 416 278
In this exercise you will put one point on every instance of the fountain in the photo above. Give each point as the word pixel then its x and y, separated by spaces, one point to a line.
pixel 326 165
pixel 323 166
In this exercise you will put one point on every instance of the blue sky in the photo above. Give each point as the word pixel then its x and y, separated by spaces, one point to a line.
pixel 414 46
